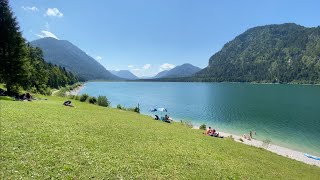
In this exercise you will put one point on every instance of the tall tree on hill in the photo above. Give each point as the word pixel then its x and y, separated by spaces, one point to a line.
pixel 38 70
pixel 13 60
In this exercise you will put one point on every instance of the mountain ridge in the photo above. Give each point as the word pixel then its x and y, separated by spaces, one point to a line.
pixel 277 53
pixel 66 54
pixel 160 74
pixel 126 74
pixel 184 70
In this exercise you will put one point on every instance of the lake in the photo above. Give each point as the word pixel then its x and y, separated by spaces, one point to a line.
pixel 288 115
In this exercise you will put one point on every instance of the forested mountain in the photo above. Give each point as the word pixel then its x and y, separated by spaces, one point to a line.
pixel 184 70
pixel 23 66
pixel 43 74
pixel 272 53
pixel 125 74
pixel 160 74
pixel 65 54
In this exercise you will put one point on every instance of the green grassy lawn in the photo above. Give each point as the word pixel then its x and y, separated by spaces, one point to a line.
pixel 43 139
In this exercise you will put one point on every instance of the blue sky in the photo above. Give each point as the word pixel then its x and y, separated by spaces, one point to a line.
pixel 147 36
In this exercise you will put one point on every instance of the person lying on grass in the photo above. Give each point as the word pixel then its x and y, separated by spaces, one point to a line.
pixel 68 103
pixel 27 96
pixel 216 134
pixel 213 132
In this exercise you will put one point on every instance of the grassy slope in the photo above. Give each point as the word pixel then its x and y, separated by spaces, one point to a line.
pixel 43 139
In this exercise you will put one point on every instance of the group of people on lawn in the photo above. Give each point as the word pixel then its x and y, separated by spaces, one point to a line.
pixel 166 118
pixel 213 132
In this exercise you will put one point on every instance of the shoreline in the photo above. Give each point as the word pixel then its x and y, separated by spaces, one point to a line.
pixel 280 150
pixel 75 91
pixel 283 151
pixel 223 82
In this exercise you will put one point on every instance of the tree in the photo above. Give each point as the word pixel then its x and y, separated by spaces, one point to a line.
pixel 13 60
pixel 39 76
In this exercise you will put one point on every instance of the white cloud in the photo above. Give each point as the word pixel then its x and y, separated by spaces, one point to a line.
pixel 46 34
pixel 146 66
pixel 54 12
pixel 98 58
pixel 136 70
pixel 166 66
pixel 27 8
pixel 130 66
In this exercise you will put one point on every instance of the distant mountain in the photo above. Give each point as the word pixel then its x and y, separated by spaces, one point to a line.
pixel 184 70
pixel 126 74
pixel 272 53
pixel 160 74
pixel 65 54
pixel 146 77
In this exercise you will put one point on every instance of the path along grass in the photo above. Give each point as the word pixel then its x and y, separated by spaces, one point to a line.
pixel 43 139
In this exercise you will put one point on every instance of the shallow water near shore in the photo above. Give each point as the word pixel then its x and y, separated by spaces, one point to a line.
pixel 288 115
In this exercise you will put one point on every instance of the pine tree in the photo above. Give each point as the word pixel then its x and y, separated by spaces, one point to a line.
pixel 13 60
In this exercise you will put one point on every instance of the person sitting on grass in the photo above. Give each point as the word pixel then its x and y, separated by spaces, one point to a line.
pixel 157 117
pixel 68 103
pixel 209 131
pixel 28 96
pixel 166 119
pixel 213 132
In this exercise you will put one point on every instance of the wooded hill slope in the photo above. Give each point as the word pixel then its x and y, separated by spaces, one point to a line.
pixel 273 53
pixel 65 54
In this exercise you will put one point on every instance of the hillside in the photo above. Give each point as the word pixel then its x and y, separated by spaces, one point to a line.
pixel 57 142
pixel 184 70
pixel 65 54
pixel 273 53
pixel 125 74
pixel 161 74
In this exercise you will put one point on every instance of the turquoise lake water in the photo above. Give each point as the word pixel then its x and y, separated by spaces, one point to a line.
pixel 288 115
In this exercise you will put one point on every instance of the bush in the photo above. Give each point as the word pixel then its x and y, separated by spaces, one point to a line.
pixel 76 97
pixel 48 91
pixel 92 100
pixel 119 106
pixel 71 96
pixel 84 97
pixel 103 101
pixel 62 92
pixel 203 127
pixel 33 90
pixel 135 109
